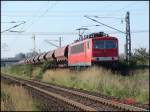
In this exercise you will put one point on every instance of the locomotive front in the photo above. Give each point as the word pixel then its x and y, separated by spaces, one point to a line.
pixel 104 49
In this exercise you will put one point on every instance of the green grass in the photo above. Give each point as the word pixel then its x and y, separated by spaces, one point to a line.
pixel 103 81
pixel 25 71
pixel 134 86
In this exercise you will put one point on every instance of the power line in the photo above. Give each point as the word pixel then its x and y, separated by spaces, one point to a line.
pixel 83 11
pixel 104 24
pixel 62 33
pixel 129 5
pixel 13 27
pixel 39 17
pixel 13 42
pixel 10 22
pixel 90 25
pixel 42 33
pixel 49 42
pixel 142 31
pixel 34 14
pixel 72 13
pixel 107 17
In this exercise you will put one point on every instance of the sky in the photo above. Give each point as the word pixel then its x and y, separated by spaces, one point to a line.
pixel 49 20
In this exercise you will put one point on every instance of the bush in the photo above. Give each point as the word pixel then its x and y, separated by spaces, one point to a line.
pixel 141 56
pixel 28 70
pixel 43 67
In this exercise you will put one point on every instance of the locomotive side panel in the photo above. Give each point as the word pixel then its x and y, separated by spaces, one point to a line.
pixel 79 55
pixel 88 51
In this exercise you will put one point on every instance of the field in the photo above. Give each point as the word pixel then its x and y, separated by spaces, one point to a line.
pixel 15 98
pixel 135 86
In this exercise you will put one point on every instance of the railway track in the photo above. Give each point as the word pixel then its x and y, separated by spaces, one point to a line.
pixel 74 99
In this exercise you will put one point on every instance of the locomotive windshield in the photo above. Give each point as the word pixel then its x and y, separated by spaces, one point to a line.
pixel 104 44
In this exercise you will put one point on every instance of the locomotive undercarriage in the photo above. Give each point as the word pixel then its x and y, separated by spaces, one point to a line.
pixel 110 65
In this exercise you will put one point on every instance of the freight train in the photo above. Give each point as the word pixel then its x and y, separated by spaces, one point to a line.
pixel 93 49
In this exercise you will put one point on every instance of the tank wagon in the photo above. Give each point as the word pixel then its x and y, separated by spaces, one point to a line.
pixel 96 48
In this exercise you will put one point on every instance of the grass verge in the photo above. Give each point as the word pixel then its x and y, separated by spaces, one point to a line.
pixel 95 79
pixel 15 98
pixel 135 86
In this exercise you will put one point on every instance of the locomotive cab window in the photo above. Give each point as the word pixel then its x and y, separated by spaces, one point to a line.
pixel 104 44
pixel 109 44
pixel 98 44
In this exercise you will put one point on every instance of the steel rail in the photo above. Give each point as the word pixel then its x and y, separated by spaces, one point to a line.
pixel 68 101
pixel 98 99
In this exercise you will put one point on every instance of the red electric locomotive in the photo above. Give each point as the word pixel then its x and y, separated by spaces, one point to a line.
pixel 97 48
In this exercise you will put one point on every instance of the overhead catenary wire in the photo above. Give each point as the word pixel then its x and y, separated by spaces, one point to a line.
pixel 14 41
pixel 129 5
pixel 91 11
pixel 67 14
pixel 109 17
pixel 41 33
pixel 10 22
pixel 39 17
pixel 70 11
pixel 49 42
pixel 104 24
pixel 34 14
pixel 63 33
pixel 13 27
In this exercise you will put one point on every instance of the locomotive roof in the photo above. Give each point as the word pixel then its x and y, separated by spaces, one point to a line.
pixel 105 37
pixel 94 38
pixel 93 35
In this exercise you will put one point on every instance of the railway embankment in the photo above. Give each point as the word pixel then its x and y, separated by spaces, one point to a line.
pixel 54 97
pixel 134 86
